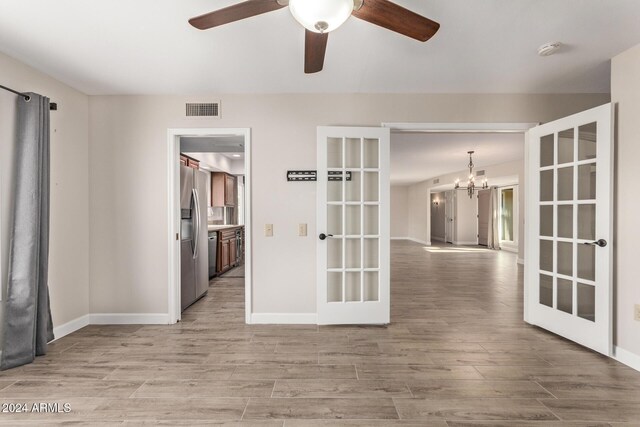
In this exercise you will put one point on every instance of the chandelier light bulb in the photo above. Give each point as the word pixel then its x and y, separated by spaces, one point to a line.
pixel 321 16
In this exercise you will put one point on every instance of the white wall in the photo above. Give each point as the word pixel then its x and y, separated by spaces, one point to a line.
pixel 466 220
pixel 420 212
pixel 69 226
pixel 399 211
pixel 128 210
pixel 419 221
pixel 625 93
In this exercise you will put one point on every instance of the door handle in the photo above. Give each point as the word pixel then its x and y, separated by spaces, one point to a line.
pixel 323 236
pixel 602 243
pixel 196 213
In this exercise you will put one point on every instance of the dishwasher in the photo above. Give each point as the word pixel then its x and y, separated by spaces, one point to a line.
pixel 213 252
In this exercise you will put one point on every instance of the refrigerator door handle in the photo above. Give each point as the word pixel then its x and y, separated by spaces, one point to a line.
pixel 196 223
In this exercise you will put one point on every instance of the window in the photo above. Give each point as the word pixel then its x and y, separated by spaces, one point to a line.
pixel 506 215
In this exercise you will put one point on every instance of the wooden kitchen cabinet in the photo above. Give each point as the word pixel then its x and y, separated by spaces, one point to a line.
pixel 188 161
pixel 223 189
pixel 227 248
pixel 224 261
pixel 230 190
pixel 194 164
pixel 233 259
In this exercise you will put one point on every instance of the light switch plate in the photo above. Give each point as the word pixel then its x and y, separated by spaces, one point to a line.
pixel 268 230
pixel 302 229
pixel 636 312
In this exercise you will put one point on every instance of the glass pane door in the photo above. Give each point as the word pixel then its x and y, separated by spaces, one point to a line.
pixel 353 220
pixel 569 240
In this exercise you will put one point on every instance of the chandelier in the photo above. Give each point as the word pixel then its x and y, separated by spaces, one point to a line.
pixel 471 182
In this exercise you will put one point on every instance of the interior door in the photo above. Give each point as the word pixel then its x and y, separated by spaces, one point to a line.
pixel 569 237
pixel 449 216
pixel 353 222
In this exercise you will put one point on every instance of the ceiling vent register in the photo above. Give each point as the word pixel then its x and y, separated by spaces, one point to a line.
pixel 209 109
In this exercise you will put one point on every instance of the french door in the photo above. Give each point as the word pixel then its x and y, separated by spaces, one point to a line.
pixel 353 225
pixel 569 236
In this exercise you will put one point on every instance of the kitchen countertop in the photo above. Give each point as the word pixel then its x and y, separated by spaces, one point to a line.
pixel 222 227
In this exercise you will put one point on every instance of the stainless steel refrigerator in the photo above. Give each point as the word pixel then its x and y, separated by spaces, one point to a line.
pixel 194 250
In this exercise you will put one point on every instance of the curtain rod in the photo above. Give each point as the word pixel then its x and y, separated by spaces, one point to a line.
pixel 52 105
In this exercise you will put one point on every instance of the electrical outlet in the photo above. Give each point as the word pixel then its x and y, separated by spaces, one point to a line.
pixel 636 312
pixel 268 230
pixel 302 230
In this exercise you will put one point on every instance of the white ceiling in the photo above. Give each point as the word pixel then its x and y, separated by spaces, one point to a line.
pixel 488 46
pixel 417 157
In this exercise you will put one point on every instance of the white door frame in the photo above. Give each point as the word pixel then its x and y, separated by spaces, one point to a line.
pixel 173 199
pixel 521 127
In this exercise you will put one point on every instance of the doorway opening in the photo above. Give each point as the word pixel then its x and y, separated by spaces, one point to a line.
pixel 209 220
pixel 461 220
pixel 426 161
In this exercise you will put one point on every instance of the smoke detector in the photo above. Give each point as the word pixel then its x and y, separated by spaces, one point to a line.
pixel 549 48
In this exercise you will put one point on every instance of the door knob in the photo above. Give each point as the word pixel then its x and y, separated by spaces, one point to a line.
pixel 323 236
pixel 602 243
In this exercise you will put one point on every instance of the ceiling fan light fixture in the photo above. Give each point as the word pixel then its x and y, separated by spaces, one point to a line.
pixel 321 16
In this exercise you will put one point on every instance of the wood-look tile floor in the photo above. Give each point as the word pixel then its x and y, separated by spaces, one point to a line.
pixel 456 354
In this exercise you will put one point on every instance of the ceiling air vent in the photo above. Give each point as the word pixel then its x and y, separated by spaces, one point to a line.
pixel 208 109
pixel 480 173
pixel 436 181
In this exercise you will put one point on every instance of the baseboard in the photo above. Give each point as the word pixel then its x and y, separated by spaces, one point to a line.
pixel 129 319
pixel 632 360
pixel 521 261
pixel 284 318
pixel 71 326
pixel 422 242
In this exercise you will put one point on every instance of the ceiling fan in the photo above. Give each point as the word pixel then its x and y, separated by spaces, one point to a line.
pixel 319 17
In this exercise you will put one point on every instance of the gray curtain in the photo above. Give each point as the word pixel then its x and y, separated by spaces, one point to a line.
pixel 28 326
pixel 493 238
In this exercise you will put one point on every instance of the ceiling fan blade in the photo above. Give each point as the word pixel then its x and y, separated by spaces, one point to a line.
pixel 397 18
pixel 234 13
pixel 315 46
